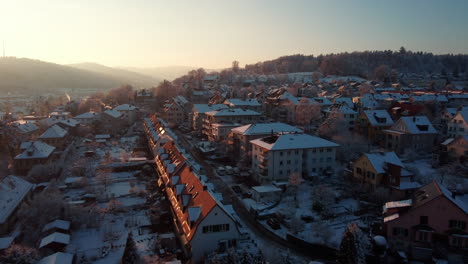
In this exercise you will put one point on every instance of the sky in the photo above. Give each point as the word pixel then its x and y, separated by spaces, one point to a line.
pixel 211 34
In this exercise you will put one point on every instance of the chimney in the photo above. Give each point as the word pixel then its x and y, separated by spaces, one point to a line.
pixel 454 193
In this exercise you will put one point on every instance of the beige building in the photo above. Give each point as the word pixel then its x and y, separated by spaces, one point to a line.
pixel 232 116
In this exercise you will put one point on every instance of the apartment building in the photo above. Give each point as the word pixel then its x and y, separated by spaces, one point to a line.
pixel 275 158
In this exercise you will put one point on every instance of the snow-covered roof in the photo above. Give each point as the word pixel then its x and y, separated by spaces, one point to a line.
pixel 464 114
pixel 61 224
pixel 415 125
pixel 344 109
pixel 114 113
pixel 345 100
pixel 292 141
pixel 57 258
pixel 70 122
pixel 102 136
pixel 125 107
pixel 266 188
pixel 290 97
pixel 391 217
pixel 203 108
pixel 26 127
pixel 378 117
pixel 88 115
pixel 181 100
pixel 54 131
pixel 12 191
pixel 36 150
pixel 378 160
pixel 239 102
pixel 456 200
pixel 55 238
pixel 233 112
pixel 5 242
pixel 265 128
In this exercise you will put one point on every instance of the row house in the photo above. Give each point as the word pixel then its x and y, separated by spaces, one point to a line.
pixel 236 116
pixel 276 158
pixel 199 111
pixel 384 169
pixel 202 223
pixel 55 136
pixel 240 137
pixel 434 217
pixel 34 153
pixel 411 133
pixel 371 123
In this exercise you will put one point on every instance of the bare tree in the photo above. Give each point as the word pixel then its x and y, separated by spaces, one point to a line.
pixel 19 254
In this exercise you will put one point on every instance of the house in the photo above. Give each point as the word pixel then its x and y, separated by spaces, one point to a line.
pixel 112 122
pixel 58 225
pixel 58 258
pixel 348 114
pixel 371 123
pixel 199 111
pixel 248 104
pixel 202 223
pixel 129 112
pixel 174 113
pixel 411 133
pixel 240 137
pixel 88 118
pixel 434 217
pixel 458 125
pixel 232 115
pixel 455 149
pixel 276 158
pixel 34 152
pixel 71 125
pixel 13 192
pixel 18 132
pixel 384 169
pixel 220 131
pixel 55 136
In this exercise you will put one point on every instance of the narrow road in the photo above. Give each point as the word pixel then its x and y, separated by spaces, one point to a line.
pixel 230 197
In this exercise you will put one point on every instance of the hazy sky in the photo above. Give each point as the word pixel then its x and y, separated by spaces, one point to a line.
pixel 214 33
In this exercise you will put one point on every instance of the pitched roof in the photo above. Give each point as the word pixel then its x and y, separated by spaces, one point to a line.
pixel 61 224
pixel 70 122
pixel 378 160
pixel 54 131
pixel 414 125
pixel 36 150
pixel 203 108
pixel 266 128
pixel 125 107
pixel 26 127
pixel 292 141
pixel 113 113
pixel 233 112
pixel 240 102
pixel 12 191
pixel 378 117
pixel 55 238
pixel 433 190
pixel 88 115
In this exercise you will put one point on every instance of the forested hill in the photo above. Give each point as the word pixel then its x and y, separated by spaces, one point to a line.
pixel 365 63
pixel 35 76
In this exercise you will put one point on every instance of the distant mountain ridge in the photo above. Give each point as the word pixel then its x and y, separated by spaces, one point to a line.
pixel 35 76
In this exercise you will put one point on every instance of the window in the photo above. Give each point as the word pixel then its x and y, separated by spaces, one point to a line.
pixel 289 152
pixel 314 150
pixel 216 228
pixel 424 220
pixel 400 231
pixel 281 163
pixel 423 236
pixel 358 171
pixel 296 152
pixel 288 162
pixel 329 159
pixel 329 149
pixel 281 172
pixel 281 153
pixel 321 150
pixel 456 224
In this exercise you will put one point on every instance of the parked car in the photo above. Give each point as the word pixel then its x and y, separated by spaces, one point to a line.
pixel 273 223
pixel 221 171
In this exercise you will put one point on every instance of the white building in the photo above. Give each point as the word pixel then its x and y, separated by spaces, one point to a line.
pixel 275 158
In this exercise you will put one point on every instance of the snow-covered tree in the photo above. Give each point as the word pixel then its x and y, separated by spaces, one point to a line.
pixel 322 198
pixel 354 246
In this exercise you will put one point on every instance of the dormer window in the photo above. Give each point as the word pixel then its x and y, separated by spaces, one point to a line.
pixel 423 127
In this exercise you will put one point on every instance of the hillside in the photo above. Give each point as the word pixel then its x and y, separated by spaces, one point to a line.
pixel 34 76
pixel 166 73
pixel 128 76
